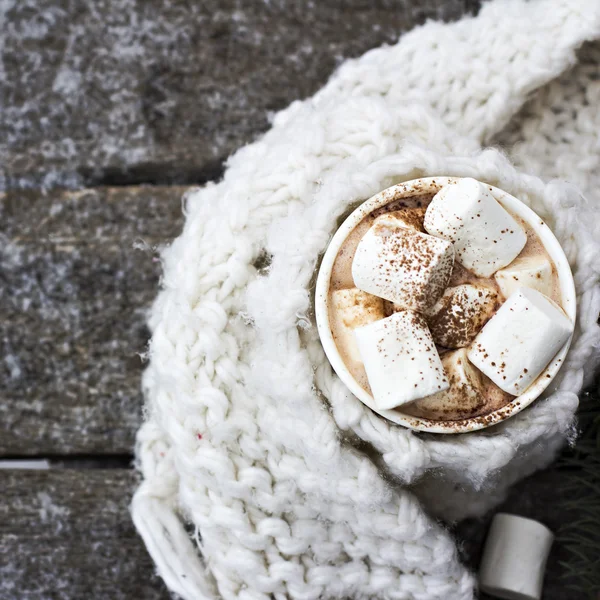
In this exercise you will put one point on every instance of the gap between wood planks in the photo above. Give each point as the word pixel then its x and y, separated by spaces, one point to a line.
pixel 139 175
pixel 73 461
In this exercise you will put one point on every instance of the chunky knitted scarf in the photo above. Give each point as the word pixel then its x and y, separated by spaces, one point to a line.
pixel 263 477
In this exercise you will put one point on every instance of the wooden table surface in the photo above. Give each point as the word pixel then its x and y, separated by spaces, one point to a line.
pixel 110 108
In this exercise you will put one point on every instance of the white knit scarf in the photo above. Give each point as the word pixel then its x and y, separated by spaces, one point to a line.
pixel 263 476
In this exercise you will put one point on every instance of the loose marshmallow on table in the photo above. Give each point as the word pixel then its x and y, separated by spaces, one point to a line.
pixel 519 341
pixel 409 218
pixel 350 309
pixel 534 272
pixel 514 558
pixel 460 313
pixel 403 266
pixel 486 237
pixel 465 394
pixel 400 358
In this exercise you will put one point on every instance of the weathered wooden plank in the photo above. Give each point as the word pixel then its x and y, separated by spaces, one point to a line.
pixel 73 298
pixel 68 535
pixel 161 91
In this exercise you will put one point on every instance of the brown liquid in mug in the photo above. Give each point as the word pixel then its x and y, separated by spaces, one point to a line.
pixel 341 278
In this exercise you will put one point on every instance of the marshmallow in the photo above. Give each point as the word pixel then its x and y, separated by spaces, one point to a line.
pixel 400 359
pixel 403 266
pixel 460 313
pixel 514 558
pixel 486 237
pixel 534 272
pixel 350 309
pixel 519 341
pixel 409 218
pixel 465 394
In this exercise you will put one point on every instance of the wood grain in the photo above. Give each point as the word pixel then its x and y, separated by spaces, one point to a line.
pixel 122 91
pixel 68 535
pixel 74 293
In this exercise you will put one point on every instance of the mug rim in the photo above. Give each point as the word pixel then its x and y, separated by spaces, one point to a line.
pixel 423 186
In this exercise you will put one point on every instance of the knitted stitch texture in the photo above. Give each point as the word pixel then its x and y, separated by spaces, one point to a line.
pixel 290 486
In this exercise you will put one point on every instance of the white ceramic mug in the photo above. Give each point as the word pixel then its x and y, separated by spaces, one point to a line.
pixel 431 185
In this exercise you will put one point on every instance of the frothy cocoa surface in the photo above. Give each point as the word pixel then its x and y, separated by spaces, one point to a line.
pixel 535 247
pixel 493 397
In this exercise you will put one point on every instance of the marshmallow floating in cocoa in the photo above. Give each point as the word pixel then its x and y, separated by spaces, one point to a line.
pixel 465 394
pixel 519 341
pixel 486 237
pixel 400 358
pixel 534 272
pixel 460 313
pixel 353 308
pixel 409 218
pixel 408 268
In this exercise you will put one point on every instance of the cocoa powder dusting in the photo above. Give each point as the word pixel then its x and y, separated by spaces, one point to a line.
pixel 458 317
pixel 417 257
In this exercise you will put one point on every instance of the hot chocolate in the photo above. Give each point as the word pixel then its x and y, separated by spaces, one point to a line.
pixel 444 268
